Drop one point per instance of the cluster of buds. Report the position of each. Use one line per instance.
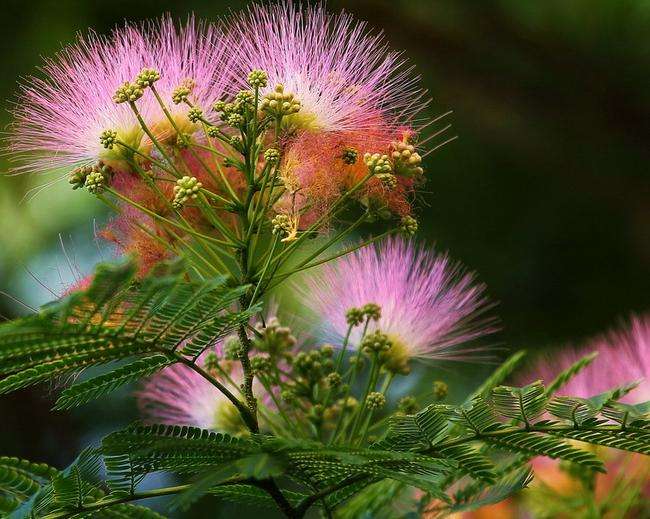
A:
(128, 92)
(260, 365)
(195, 114)
(274, 339)
(211, 362)
(108, 138)
(377, 163)
(350, 156)
(186, 188)
(258, 79)
(94, 178)
(285, 226)
(376, 342)
(408, 405)
(375, 400)
(355, 316)
(230, 113)
(407, 161)
(147, 77)
(313, 366)
(408, 226)
(232, 348)
(440, 390)
(280, 103)
(182, 92)
(272, 155)
(381, 166)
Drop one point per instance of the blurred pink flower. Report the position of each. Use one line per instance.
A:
(623, 357)
(179, 395)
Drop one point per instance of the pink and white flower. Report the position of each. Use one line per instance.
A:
(345, 77)
(60, 116)
(429, 305)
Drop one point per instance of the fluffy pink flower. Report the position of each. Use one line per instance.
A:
(179, 396)
(345, 77)
(428, 304)
(623, 357)
(60, 117)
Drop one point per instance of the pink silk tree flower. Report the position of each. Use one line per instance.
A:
(623, 357)
(61, 116)
(429, 305)
(179, 395)
(344, 76)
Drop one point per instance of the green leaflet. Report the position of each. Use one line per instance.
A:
(505, 487)
(83, 392)
(156, 322)
(520, 403)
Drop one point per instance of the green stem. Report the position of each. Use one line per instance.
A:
(266, 266)
(370, 386)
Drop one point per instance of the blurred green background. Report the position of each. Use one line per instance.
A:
(545, 194)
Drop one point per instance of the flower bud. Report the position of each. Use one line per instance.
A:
(272, 155)
(108, 138)
(147, 77)
(127, 92)
(195, 114)
(186, 188)
(408, 226)
(375, 400)
(258, 79)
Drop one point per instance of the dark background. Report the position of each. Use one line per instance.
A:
(545, 194)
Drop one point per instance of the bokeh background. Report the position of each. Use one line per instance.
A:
(546, 193)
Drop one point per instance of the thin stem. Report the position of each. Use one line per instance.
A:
(168, 221)
(266, 266)
(245, 413)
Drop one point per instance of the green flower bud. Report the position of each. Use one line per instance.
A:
(333, 380)
(349, 403)
(408, 405)
(354, 316)
(440, 390)
(182, 92)
(350, 156)
(195, 114)
(272, 155)
(288, 395)
(408, 226)
(376, 342)
(260, 365)
(128, 92)
(282, 225)
(95, 182)
(375, 400)
(147, 77)
(235, 119)
(186, 188)
(258, 79)
(244, 98)
(372, 311)
(211, 361)
(213, 131)
(280, 103)
(407, 161)
(77, 177)
(232, 349)
(388, 180)
(219, 106)
(378, 163)
(108, 138)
